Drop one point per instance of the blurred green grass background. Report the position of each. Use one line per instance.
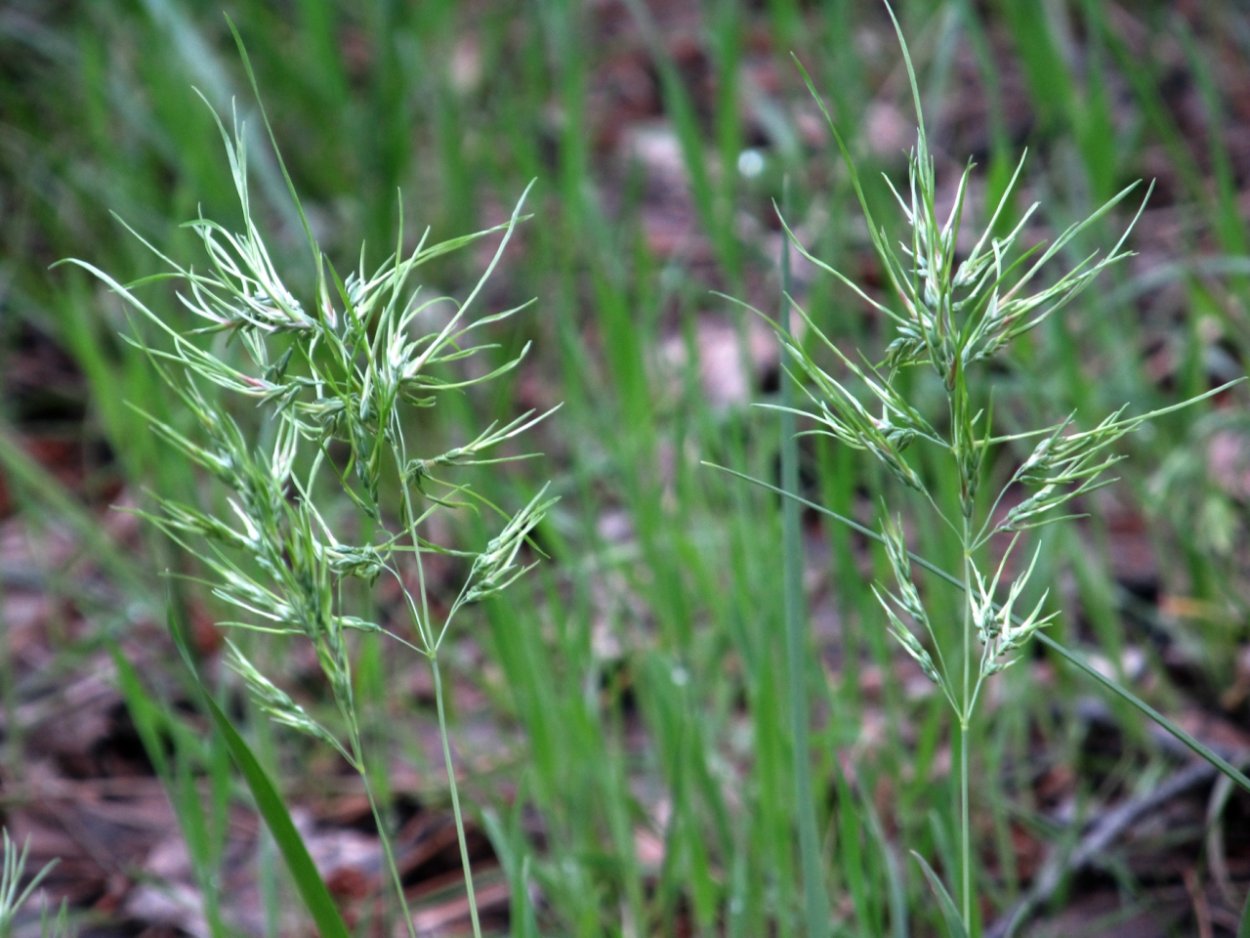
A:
(623, 717)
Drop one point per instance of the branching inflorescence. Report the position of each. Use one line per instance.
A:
(334, 380)
(951, 314)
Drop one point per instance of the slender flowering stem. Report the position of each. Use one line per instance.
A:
(951, 315)
(444, 738)
(334, 371)
(965, 722)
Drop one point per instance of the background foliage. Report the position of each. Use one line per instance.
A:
(621, 720)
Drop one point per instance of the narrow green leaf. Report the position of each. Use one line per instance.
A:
(797, 652)
(955, 926)
(308, 882)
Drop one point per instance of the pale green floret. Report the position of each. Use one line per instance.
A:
(277, 702)
(998, 629)
(905, 638)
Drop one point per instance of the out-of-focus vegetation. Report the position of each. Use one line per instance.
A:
(621, 720)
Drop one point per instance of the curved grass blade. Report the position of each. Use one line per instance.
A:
(308, 882)
(954, 924)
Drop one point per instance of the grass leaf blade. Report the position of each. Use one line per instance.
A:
(954, 923)
(308, 881)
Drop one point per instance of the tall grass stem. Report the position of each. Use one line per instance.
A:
(815, 898)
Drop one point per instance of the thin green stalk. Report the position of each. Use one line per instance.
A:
(965, 821)
(431, 643)
(455, 795)
(379, 820)
(965, 720)
(815, 900)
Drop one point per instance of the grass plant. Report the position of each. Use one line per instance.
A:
(955, 308)
(335, 377)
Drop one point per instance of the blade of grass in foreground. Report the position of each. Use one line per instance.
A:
(1192, 743)
(950, 914)
(815, 901)
(308, 882)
